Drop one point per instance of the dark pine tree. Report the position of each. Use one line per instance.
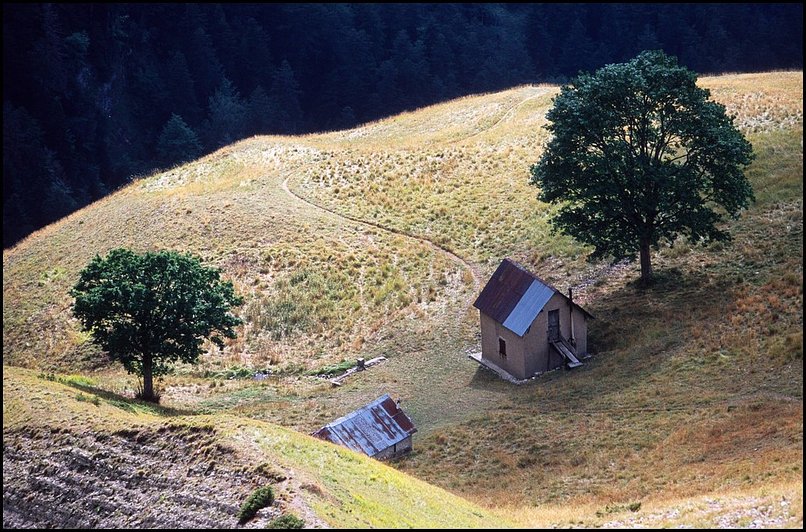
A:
(177, 142)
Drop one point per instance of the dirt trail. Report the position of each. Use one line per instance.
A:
(541, 92)
(472, 268)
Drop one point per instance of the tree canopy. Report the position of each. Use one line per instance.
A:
(151, 310)
(640, 155)
(177, 142)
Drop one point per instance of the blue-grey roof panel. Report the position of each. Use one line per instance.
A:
(528, 307)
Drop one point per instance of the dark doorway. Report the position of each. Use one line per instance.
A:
(554, 325)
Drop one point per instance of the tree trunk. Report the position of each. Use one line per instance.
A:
(646, 262)
(148, 379)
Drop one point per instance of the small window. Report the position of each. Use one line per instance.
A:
(502, 347)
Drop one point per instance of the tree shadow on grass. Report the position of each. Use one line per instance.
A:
(133, 406)
(641, 323)
(648, 318)
(637, 328)
(673, 301)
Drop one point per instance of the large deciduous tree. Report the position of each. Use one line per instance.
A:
(148, 311)
(640, 155)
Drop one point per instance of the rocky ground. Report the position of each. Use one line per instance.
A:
(722, 512)
(148, 478)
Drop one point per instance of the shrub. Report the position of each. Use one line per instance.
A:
(260, 498)
(329, 371)
(287, 521)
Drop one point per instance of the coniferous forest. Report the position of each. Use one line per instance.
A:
(97, 94)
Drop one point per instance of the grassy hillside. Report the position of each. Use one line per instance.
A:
(181, 462)
(374, 242)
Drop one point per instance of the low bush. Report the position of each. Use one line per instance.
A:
(260, 498)
(287, 521)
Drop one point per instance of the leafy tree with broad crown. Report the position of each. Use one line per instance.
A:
(640, 155)
(148, 311)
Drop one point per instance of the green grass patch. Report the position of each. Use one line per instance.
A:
(258, 499)
(334, 369)
(233, 372)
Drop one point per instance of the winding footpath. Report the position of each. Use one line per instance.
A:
(472, 268)
(511, 112)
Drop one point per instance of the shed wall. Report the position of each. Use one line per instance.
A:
(515, 361)
(538, 346)
(393, 451)
(531, 353)
(580, 332)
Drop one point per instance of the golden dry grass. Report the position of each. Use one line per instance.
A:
(774, 506)
(697, 383)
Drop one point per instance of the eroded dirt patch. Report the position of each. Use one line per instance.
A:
(170, 477)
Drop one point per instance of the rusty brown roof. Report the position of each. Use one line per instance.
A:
(370, 429)
(504, 290)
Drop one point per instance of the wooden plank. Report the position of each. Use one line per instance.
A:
(565, 352)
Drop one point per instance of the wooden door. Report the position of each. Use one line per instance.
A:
(554, 325)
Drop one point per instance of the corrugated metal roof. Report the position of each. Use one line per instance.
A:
(528, 307)
(370, 429)
(503, 291)
(514, 297)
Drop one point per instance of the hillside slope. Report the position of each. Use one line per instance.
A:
(74, 456)
(374, 241)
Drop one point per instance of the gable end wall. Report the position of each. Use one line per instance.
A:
(531, 354)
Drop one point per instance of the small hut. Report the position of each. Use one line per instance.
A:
(380, 430)
(528, 326)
